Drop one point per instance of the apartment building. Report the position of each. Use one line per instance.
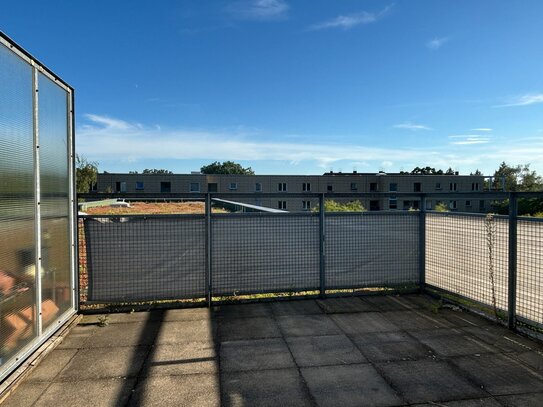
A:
(329, 182)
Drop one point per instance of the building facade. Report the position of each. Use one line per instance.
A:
(326, 183)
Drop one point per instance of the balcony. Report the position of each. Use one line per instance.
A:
(385, 308)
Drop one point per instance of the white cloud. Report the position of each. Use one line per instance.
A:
(110, 141)
(485, 129)
(436, 43)
(259, 9)
(349, 21)
(524, 100)
(411, 126)
(469, 139)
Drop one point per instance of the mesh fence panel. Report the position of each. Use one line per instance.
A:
(529, 270)
(142, 259)
(256, 253)
(372, 250)
(464, 254)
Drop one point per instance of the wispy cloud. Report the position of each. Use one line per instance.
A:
(349, 21)
(524, 100)
(484, 129)
(111, 141)
(437, 43)
(258, 9)
(411, 126)
(469, 139)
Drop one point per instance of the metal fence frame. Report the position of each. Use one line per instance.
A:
(512, 218)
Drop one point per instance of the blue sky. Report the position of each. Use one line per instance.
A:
(296, 87)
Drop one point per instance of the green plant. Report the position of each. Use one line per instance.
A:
(441, 207)
(332, 206)
(103, 320)
(490, 230)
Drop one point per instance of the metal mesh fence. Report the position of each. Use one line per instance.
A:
(264, 253)
(468, 255)
(145, 258)
(530, 270)
(372, 249)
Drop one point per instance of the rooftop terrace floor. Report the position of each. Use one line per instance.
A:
(370, 351)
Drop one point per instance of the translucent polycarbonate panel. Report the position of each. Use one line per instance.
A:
(17, 213)
(55, 196)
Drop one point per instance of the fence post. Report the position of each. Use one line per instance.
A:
(208, 279)
(422, 243)
(512, 249)
(322, 259)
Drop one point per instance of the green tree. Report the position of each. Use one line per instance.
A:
(426, 171)
(227, 167)
(333, 206)
(155, 171)
(86, 173)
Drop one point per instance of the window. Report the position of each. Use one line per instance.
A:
(475, 186)
(194, 187)
(452, 186)
(306, 205)
(406, 205)
(166, 187)
(429, 205)
(330, 188)
(306, 187)
(452, 205)
(482, 205)
(392, 187)
(233, 186)
(139, 186)
(417, 187)
(416, 204)
(120, 186)
(212, 187)
(282, 204)
(374, 205)
(393, 203)
(373, 186)
(438, 186)
(258, 187)
(354, 186)
(282, 187)
(468, 203)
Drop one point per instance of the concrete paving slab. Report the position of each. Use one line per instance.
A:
(420, 301)
(51, 366)
(464, 318)
(248, 328)
(380, 337)
(416, 320)
(96, 393)
(499, 374)
(387, 302)
(187, 314)
(481, 402)
(243, 310)
(300, 307)
(364, 323)
(502, 338)
(107, 362)
(186, 331)
(186, 390)
(258, 354)
(129, 334)
(307, 325)
(393, 351)
(181, 358)
(352, 385)
(324, 350)
(422, 381)
(533, 359)
(435, 333)
(522, 400)
(119, 317)
(26, 394)
(458, 345)
(77, 337)
(265, 388)
(345, 305)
